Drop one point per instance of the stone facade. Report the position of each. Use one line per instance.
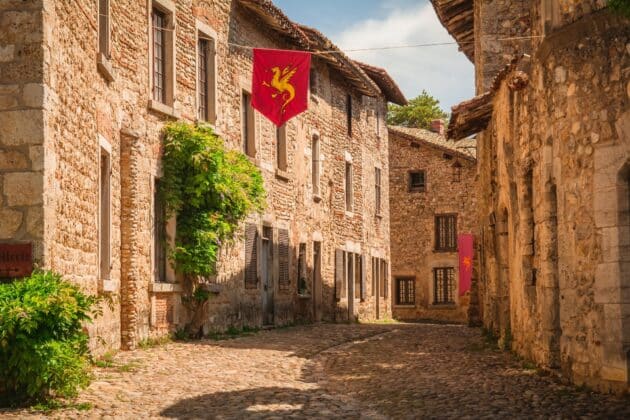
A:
(553, 192)
(449, 176)
(66, 107)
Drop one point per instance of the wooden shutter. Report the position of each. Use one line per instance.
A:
(363, 279)
(284, 282)
(385, 279)
(251, 256)
(339, 273)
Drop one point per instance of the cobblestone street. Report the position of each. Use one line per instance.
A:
(370, 371)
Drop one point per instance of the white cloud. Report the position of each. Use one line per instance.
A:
(442, 71)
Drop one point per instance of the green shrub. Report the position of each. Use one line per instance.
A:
(43, 348)
(620, 6)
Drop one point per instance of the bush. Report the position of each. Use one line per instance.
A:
(43, 348)
(620, 6)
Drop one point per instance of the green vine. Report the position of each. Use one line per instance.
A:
(620, 6)
(211, 190)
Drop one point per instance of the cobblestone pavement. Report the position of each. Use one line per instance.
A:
(349, 371)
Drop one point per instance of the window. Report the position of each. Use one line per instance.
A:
(378, 122)
(379, 277)
(405, 291)
(302, 274)
(105, 215)
(251, 256)
(417, 181)
(284, 281)
(206, 81)
(377, 191)
(159, 55)
(159, 235)
(349, 192)
(349, 114)
(103, 27)
(457, 172)
(281, 148)
(443, 285)
(315, 153)
(384, 277)
(247, 121)
(340, 274)
(446, 232)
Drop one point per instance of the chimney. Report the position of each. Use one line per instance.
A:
(437, 126)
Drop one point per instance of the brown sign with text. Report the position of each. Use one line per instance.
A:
(16, 260)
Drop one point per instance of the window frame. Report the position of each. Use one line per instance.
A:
(456, 172)
(248, 125)
(167, 9)
(104, 25)
(410, 186)
(348, 186)
(449, 287)
(410, 295)
(446, 247)
(209, 36)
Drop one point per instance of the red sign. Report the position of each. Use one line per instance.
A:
(16, 260)
(280, 83)
(465, 247)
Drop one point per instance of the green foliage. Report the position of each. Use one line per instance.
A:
(43, 348)
(211, 189)
(418, 113)
(620, 6)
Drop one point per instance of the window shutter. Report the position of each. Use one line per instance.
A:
(363, 279)
(284, 283)
(385, 278)
(251, 257)
(339, 273)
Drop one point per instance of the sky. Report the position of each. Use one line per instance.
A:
(442, 71)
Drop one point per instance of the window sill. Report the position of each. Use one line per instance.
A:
(446, 306)
(282, 175)
(163, 109)
(157, 287)
(104, 66)
(317, 198)
(109, 286)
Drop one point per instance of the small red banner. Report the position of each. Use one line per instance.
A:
(16, 260)
(280, 83)
(466, 253)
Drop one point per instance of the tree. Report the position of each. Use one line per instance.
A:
(418, 113)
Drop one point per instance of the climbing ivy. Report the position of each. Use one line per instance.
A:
(620, 6)
(211, 190)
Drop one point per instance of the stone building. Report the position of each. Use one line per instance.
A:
(85, 89)
(432, 200)
(553, 117)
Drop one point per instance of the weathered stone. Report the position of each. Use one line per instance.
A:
(33, 95)
(12, 160)
(36, 154)
(21, 127)
(23, 188)
(10, 222)
(35, 221)
(6, 53)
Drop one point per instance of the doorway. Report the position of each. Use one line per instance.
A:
(267, 276)
(317, 281)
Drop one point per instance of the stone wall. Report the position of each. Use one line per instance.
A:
(413, 219)
(93, 104)
(22, 123)
(553, 204)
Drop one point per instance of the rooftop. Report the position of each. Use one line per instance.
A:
(458, 17)
(466, 148)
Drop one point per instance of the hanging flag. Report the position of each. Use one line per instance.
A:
(280, 83)
(465, 247)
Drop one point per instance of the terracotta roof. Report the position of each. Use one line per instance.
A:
(385, 82)
(312, 40)
(466, 148)
(458, 17)
(472, 116)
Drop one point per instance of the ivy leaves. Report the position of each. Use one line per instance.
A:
(210, 189)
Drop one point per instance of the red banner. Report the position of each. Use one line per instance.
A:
(466, 253)
(280, 83)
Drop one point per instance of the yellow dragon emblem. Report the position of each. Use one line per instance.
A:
(281, 83)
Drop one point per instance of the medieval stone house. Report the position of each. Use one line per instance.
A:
(85, 89)
(553, 116)
(432, 200)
